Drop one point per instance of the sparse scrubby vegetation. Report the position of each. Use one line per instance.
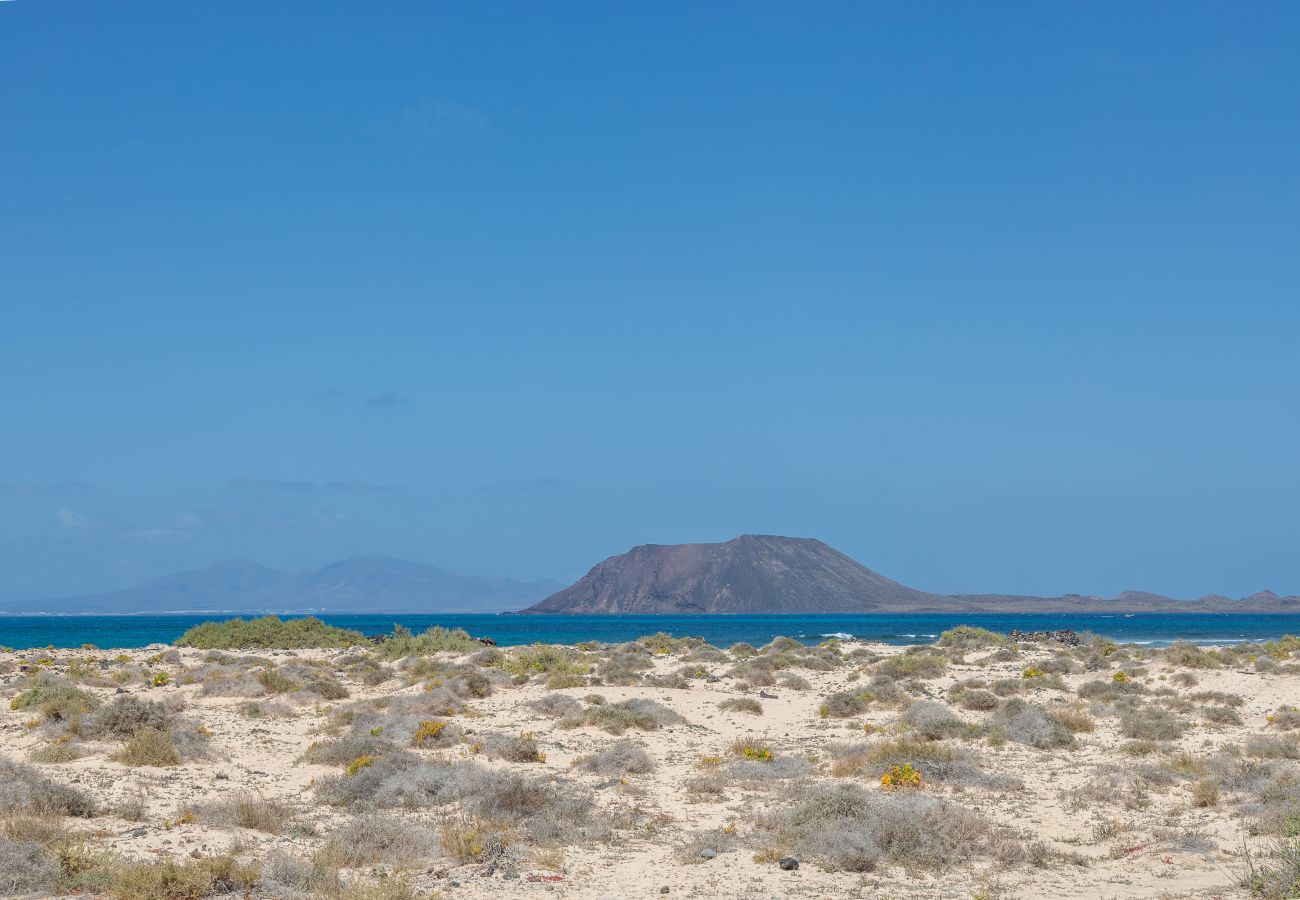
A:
(268, 632)
(845, 828)
(403, 643)
(621, 758)
(616, 718)
(427, 753)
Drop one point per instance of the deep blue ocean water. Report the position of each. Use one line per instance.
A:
(137, 631)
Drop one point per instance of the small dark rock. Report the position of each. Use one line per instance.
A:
(664, 889)
(788, 863)
(766, 696)
(120, 691)
(487, 641)
(708, 853)
(712, 679)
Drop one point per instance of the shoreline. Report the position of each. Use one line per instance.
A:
(1208, 629)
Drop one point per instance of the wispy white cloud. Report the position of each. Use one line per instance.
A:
(69, 519)
(433, 116)
(386, 400)
(66, 486)
(288, 486)
(525, 486)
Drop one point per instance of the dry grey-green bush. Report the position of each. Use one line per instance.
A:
(1221, 715)
(794, 683)
(620, 758)
(1273, 874)
(404, 729)
(1030, 724)
(1284, 718)
(268, 709)
(288, 877)
(23, 789)
(710, 785)
(639, 713)
(246, 809)
(624, 667)
(1112, 691)
(782, 768)
(520, 748)
(342, 751)
(55, 752)
(1060, 664)
(935, 760)
(742, 704)
(917, 662)
(1154, 723)
(844, 704)
(1273, 746)
(1188, 655)
(978, 699)
(707, 654)
(54, 697)
(843, 827)
(546, 810)
(556, 705)
(969, 637)
(1218, 698)
(702, 846)
(26, 867)
(121, 718)
(385, 840)
(932, 720)
(1275, 809)
(1183, 840)
(233, 684)
(1007, 687)
(1112, 788)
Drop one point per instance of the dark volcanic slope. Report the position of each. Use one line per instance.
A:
(766, 574)
(751, 574)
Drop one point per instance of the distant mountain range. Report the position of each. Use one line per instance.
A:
(362, 584)
(768, 574)
(749, 574)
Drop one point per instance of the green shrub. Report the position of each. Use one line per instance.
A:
(646, 715)
(276, 682)
(969, 637)
(547, 659)
(125, 715)
(621, 758)
(1153, 723)
(268, 632)
(149, 747)
(433, 640)
(1188, 655)
(188, 880)
(913, 665)
(23, 789)
(54, 698)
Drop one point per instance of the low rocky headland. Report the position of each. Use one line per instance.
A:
(263, 760)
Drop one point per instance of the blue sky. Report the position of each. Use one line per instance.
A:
(992, 298)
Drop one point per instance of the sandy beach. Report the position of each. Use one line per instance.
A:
(661, 767)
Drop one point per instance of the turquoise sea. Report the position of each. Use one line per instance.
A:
(138, 631)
